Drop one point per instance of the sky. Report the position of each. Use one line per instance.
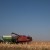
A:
(26, 17)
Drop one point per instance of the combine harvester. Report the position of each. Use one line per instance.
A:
(15, 38)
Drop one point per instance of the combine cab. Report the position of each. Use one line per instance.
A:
(15, 38)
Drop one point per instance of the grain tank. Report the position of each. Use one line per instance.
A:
(7, 38)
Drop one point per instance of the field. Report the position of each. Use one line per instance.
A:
(30, 46)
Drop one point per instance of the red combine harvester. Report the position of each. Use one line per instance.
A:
(21, 38)
(15, 38)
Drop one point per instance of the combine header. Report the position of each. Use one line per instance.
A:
(15, 38)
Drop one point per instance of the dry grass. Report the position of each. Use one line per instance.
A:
(31, 46)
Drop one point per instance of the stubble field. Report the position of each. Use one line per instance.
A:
(30, 46)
